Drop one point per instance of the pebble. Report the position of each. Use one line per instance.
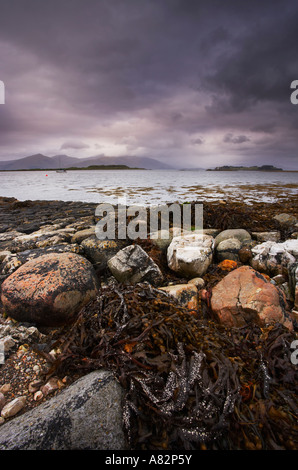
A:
(5, 388)
(13, 407)
(38, 396)
(50, 386)
(34, 386)
(2, 400)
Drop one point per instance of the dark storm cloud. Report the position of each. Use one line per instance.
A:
(149, 76)
(239, 139)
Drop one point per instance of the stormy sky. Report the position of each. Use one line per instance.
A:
(191, 83)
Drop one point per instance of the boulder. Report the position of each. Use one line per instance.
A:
(87, 415)
(190, 255)
(14, 260)
(245, 296)
(185, 294)
(100, 251)
(271, 257)
(132, 265)
(49, 290)
(240, 234)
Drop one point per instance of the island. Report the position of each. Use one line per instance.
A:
(245, 168)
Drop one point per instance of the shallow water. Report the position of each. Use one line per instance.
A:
(148, 186)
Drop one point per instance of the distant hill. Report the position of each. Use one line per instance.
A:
(40, 161)
(245, 168)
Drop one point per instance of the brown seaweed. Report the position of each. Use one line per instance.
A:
(189, 382)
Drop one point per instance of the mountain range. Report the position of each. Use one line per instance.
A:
(40, 161)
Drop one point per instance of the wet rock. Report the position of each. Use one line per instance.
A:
(186, 295)
(245, 254)
(2, 400)
(81, 235)
(3, 255)
(270, 257)
(49, 290)
(190, 255)
(87, 415)
(244, 296)
(132, 265)
(100, 251)
(14, 260)
(50, 386)
(228, 249)
(198, 282)
(7, 238)
(39, 239)
(285, 219)
(13, 407)
(266, 236)
(240, 234)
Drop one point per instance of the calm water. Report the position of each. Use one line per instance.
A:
(147, 187)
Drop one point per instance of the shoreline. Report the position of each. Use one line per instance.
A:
(145, 343)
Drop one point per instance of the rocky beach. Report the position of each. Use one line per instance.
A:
(186, 342)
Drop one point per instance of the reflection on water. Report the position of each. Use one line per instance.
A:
(148, 186)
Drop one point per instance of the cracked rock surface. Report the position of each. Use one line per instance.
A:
(245, 296)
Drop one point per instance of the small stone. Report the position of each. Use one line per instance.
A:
(2, 401)
(38, 396)
(198, 282)
(266, 236)
(8, 343)
(13, 407)
(49, 387)
(239, 234)
(5, 388)
(186, 294)
(34, 386)
(228, 249)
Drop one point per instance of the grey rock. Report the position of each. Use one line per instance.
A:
(228, 249)
(81, 235)
(266, 236)
(100, 251)
(132, 265)
(39, 239)
(240, 234)
(285, 219)
(85, 416)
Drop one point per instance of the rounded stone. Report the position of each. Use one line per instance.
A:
(49, 290)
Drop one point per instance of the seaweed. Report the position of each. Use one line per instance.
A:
(189, 382)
